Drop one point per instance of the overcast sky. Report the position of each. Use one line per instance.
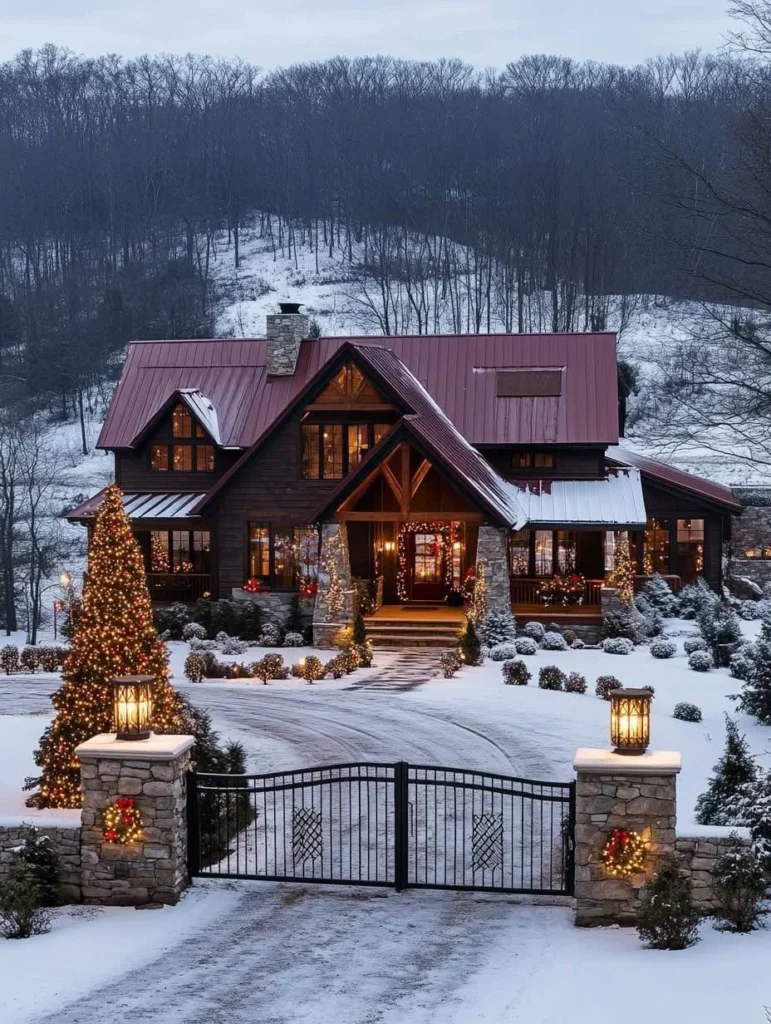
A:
(279, 32)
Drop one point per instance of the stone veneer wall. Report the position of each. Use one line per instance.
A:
(697, 856)
(325, 623)
(67, 843)
(154, 870)
(492, 548)
(751, 529)
(275, 606)
(285, 331)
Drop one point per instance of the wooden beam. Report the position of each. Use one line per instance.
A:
(420, 476)
(359, 491)
(405, 479)
(410, 517)
(392, 482)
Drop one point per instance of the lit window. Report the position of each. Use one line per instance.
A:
(181, 556)
(259, 551)
(381, 429)
(533, 460)
(183, 458)
(306, 545)
(283, 559)
(566, 551)
(656, 557)
(332, 451)
(181, 422)
(544, 553)
(204, 458)
(159, 458)
(519, 553)
(159, 551)
(689, 556)
(200, 550)
(358, 443)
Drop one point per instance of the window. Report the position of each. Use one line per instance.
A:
(428, 558)
(204, 458)
(180, 551)
(159, 551)
(566, 551)
(181, 422)
(159, 458)
(544, 553)
(609, 548)
(332, 450)
(689, 556)
(259, 552)
(656, 557)
(519, 553)
(306, 543)
(283, 559)
(183, 458)
(533, 460)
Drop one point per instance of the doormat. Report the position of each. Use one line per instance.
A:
(421, 608)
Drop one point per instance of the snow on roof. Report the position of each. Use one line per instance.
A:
(143, 506)
(616, 500)
(660, 472)
(203, 410)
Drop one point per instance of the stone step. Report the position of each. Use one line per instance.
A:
(409, 639)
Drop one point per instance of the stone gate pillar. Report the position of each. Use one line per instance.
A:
(335, 604)
(635, 793)
(493, 560)
(153, 772)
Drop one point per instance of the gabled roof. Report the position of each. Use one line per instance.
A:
(458, 371)
(667, 476)
(616, 500)
(142, 506)
(203, 410)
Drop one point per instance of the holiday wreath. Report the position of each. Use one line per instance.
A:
(123, 822)
(624, 853)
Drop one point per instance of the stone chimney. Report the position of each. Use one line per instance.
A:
(285, 331)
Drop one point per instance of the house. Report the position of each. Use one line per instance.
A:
(386, 473)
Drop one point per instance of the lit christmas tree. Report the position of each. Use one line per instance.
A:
(622, 574)
(115, 637)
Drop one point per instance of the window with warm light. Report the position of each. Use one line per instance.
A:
(159, 458)
(192, 457)
(656, 555)
(283, 556)
(533, 460)
(180, 551)
(331, 450)
(519, 553)
(259, 552)
(689, 552)
(544, 553)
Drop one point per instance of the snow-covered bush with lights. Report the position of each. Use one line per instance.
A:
(497, 628)
(194, 668)
(662, 648)
(231, 644)
(686, 712)
(515, 673)
(525, 645)
(293, 640)
(695, 643)
(658, 594)
(535, 630)
(193, 631)
(502, 652)
(9, 659)
(551, 678)
(617, 645)
(270, 636)
(605, 684)
(450, 663)
(700, 661)
(575, 683)
(554, 642)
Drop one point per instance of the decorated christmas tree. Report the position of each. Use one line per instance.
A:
(115, 637)
(621, 575)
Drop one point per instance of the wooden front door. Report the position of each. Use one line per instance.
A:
(426, 567)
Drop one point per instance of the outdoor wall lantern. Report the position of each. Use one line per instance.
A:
(630, 721)
(132, 707)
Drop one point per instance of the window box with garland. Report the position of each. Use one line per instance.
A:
(195, 455)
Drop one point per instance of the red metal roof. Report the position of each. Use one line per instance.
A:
(668, 476)
(456, 370)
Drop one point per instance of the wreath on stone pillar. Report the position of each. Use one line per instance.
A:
(624, 853)
(122, 822)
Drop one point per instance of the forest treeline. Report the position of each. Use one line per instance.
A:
(570, 181)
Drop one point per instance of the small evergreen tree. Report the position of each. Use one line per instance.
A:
(621, 575)
(470, 647)
(295, 622)
(21, 910)
(668, 917)
(359, 629)
(497, 628)
(657, 593)
(739, 884)
(751, 807)
(40, 855)
(755, 698)
(734, 770)
(719, 626)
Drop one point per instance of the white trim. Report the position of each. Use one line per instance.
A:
(106, 746)
(590, 761)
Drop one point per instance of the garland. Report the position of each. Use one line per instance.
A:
(624, 853)
(448, 532)
(563, 589)
(123, 822)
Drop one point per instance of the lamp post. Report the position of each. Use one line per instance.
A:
(630, 721)
(132, 707)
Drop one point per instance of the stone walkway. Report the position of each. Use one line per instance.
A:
(407, 671)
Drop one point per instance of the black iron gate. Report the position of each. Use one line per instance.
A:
(397, 824)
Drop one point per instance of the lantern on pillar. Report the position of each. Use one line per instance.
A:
(630, 720)
(132, 707)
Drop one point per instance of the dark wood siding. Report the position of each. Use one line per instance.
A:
(665, 504)
(569, 463)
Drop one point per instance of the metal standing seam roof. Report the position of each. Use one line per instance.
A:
(144, 506)
(203, 410)
(458, 371)
(616, 500)
(660, 472)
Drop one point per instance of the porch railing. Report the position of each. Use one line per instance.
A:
(182, 586)
(528, 591)
(369, 594)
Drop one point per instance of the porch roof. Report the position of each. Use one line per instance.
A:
(143, 506)
(615, 501)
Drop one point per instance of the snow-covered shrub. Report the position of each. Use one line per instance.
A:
(553, 642)
(721, 628)
(739, 885)
(695, 597)
(741, 662)
(570, 637)
(312, 668)
(193, 631)
(605, 684)
(668, 917)
(651, 690)
(48, 659)
(662, 648)
(732, 775)
(756, 693)
(658, 594)
(194, 668)
(764, 608)
(21, 911)
(40, 854)
(748, 610)
(551, 678)
(515, 673)
(270, 666)
(232, 645)
(336, 668)
(497, 628)
(9, 659)
(696, 643)
(535, 630)
(485, 652)
(628, 625)
(700, 661)
(450, 663)
(687, 712)
(525, 645)
(270, 636)
(174, 619)
(617, 645)
(575, 683)
(502, 652)
(651, 620)
(578, 644)
(28, 659)
(197, 645)
(293, 640)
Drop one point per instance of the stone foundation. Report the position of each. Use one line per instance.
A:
(616, 791)
(67, 843)
(751, 531)
(154, 773)
(275, 606)
(492, 550)
(697, 856)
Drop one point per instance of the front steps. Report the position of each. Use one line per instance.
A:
(402, 632)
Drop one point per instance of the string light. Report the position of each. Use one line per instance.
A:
(622, 574)
(446, 535)
(122, 822)
(624, 853)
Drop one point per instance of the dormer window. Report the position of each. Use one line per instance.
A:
(533, 460)
(183, 424)
(193, 457)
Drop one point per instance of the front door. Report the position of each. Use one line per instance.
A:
(427, 567)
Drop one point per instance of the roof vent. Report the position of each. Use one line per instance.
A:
(528, 383)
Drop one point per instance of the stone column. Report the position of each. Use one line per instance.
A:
(620, 791)
(154, 772)
(492, 550)
(328, 618)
